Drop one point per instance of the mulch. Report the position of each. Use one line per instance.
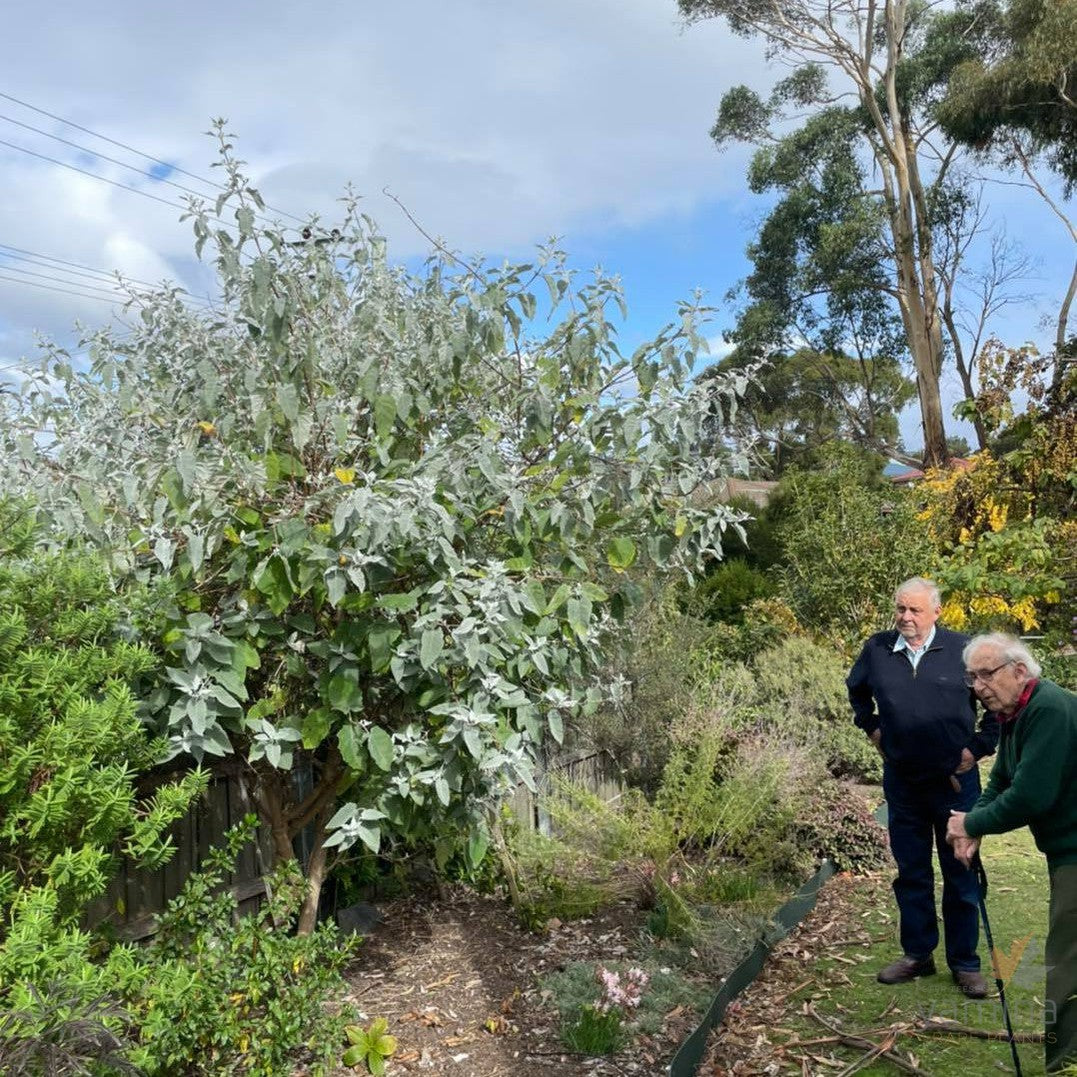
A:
(460, 984)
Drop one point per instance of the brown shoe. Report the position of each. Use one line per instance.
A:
(971, 983)
(906, 969)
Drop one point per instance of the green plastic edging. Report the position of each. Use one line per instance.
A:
(688, 1055)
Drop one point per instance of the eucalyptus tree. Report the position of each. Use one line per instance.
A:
(882, 57)
(1015, 100)
(818, 302)
(397, 524)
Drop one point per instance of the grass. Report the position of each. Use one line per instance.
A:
(847, 989)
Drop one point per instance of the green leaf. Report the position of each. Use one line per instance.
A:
(557, 727)
(354, 1056)
(620, 553)
(380, 746)
(343, 693)
(380, 642)
(403, 602)
(535, 597)
(430, 647)
(370, 836)
(384, 415)
(348, 741)
(477, 845)
(559, 598)
(316, 726)
(273, 581)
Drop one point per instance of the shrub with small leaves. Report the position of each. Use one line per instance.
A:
(837, 824)
(232, 994)
(72, 750)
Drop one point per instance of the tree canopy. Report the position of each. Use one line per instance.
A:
(394, 526)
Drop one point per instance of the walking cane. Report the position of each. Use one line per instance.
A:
(981, 877)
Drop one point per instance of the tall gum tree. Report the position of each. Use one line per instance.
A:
(1015, 101)
(866, 44)
(395, 525)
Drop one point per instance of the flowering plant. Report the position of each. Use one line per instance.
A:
(598, 1028)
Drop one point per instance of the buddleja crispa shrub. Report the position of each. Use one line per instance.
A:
(400, 512)
(71, 751)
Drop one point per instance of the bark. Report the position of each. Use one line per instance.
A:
(1062, 336)
(285, 820)
(965, 374)
(317, 869)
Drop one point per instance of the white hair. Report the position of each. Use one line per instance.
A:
(918, 583)
(1010, 647)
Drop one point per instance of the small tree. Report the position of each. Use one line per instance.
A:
(397, 525)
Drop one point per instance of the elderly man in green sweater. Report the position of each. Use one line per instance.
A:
(1033, 783)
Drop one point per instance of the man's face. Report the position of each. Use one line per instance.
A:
(998, 683)
(914, 614)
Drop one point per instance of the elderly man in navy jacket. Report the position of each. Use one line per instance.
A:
(909, 696)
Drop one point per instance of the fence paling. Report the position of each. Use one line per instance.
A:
(136, 895)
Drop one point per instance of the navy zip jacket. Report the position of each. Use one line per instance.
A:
(927, 715)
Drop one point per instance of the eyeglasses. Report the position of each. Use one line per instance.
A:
(985, 675)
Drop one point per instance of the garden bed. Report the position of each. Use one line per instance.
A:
(462, 986)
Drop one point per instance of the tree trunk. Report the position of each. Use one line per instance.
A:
(1062, 359)
(917, 288)
(317, 869)
(965, 374)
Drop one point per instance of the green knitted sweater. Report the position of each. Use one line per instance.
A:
(1033, 782)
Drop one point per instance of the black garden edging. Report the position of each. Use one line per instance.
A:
(787, 917)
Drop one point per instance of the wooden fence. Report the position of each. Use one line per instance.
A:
(137, 895)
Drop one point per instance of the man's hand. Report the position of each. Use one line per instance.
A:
(955, 828)
(876, 739)
(965, 850)
(968, 761)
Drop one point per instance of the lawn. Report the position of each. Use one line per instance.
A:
(825, 973)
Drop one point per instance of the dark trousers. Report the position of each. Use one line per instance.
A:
(917, 813)
(1060, 957)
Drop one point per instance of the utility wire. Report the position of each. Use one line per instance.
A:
(66, 291)
(104, 157)
(133, 294)
(20, 254)
(131, 149)
(92, 175)
(105, 179)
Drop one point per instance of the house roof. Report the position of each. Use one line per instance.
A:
(915, 474)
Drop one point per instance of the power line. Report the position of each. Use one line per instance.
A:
(20, 254)
(134, 294)
(66, 291)
(78, 269)
(132, 149)
(92, 175)
(104, 157)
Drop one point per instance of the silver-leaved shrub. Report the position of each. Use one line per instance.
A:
(399, 514)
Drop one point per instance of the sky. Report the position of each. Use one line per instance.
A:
(497, 124)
